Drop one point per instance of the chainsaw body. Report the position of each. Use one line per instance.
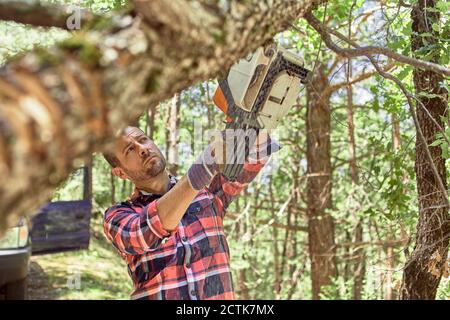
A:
(256, 94)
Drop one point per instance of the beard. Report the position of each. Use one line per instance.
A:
(155, 166)
(150, 169)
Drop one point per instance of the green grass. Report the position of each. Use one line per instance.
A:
(99, 272)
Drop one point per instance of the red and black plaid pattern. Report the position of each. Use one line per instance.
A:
(191, 262)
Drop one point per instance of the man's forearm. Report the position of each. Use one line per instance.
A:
(172, 205)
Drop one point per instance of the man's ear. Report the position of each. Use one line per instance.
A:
(118, 172)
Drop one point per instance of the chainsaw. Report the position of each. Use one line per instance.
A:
(256, 94)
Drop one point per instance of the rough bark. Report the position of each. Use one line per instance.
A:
(40, 15)
(57, 106)
(424, 268)
(320, 223)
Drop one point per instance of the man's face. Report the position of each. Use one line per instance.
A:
(139, 157)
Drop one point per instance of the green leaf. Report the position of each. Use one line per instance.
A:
(435, 26)
(428, 95)
(429, 9)
(445, 151)
(374, 89)
(376, 104)
(443, 5)
(402, 74)
(436, 143)
(444, 60)
(397, 44)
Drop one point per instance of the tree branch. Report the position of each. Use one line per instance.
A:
(409, 97)
(326, 32)
(385, 243)
(336, 61)
(361, 77)
(39, 15)
(234, 216)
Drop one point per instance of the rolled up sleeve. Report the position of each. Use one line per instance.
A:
(132, 231)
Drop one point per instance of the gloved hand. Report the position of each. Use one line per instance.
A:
(207, 165)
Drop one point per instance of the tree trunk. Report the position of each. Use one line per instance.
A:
(124, 189)
(113, 188)
(320, 223)
(389, 293)
(79, 93)
(358, 256)
(423, 270)
(276, 251)
(293, 218)
(87, 180)
(242, 278)
(150, 125)
(173, 124)
(359, 269)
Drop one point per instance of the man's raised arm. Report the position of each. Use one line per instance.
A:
(137, 232)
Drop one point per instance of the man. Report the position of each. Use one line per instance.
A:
(170, 232)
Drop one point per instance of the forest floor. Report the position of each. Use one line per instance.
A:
(96, 273)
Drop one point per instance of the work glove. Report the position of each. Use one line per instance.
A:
(207, 165)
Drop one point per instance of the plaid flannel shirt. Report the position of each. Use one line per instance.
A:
(193, 261)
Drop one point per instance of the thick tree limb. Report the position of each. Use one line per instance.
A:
(39, 15)
(69, 100)
(367, 51)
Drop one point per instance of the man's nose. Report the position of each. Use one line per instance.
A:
(143, 151)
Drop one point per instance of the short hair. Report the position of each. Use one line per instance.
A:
(111, 159)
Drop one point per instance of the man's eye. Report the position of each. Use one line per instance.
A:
(129, 149)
